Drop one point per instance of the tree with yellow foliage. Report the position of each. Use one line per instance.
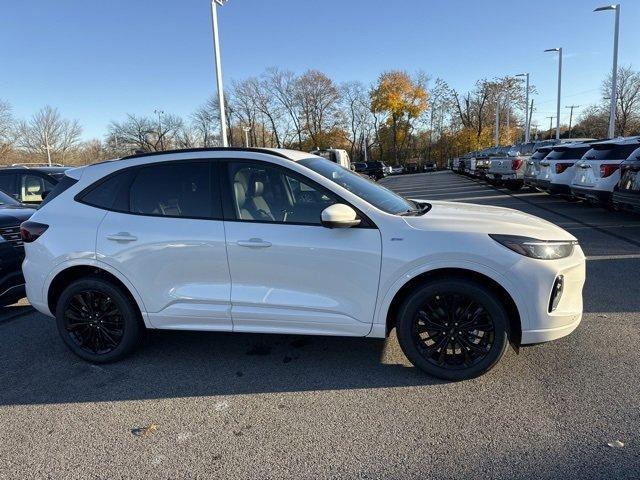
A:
(402, 99)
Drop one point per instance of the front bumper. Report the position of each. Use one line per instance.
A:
(536, 278)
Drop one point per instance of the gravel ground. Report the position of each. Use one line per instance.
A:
(275, 406)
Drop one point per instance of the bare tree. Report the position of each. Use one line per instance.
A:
(146, 133)
(7, 129)
(47, 128)
(283, 86)
(317, 97)
(628, 100)
(359, 118)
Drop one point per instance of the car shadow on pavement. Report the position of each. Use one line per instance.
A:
(38, 368)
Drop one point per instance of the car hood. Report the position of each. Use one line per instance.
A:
(473, 218)
(11, 216)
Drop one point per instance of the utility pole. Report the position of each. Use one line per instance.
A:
(528, 135)
(571, 116)
(216, 50)
(551, 123)
(506, 106)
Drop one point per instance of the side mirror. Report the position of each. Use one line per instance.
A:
(339, 215)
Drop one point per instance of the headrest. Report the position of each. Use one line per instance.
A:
(240, 193)
(258, 188)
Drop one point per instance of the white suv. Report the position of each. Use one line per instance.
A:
(598, 172)
(278, 241)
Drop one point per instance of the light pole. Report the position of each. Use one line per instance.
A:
(159, 113)
(526, 110)
(551, 122)
(246, 136)
(559, 50)
(614, 73)
(498, 121)
(571, 116)
(216, 51)
(46, 145)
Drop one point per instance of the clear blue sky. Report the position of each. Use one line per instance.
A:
(98, 60)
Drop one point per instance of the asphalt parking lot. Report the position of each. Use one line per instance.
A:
(248, 406)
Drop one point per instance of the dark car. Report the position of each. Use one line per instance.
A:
(374, 170)
(627, 194)
(12, 214)
(29, 184)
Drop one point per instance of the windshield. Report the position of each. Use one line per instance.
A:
(369, 191)
(7, 200)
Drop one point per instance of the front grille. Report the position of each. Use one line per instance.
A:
(12, 235)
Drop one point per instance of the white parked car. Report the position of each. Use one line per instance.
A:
(558, 168)
(278, 241)
(598, 172)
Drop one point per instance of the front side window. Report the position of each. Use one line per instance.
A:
(373, 193)
(173, 190)
(264, 193)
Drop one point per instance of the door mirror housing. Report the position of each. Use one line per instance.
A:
(339, 215)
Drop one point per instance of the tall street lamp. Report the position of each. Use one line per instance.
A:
(159, 113)
(498, 121)
(559, 50)
(614, 73)
(246, 135)
(526, 110)
(216, 51)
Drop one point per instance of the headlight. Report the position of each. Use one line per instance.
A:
(534, 248)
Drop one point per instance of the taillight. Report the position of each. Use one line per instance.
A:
(606, 170)
(31, 231)
(561, 167)
(516, 163)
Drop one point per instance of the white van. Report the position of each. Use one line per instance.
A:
(336, 155)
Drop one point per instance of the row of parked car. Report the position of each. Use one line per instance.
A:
(603, 172)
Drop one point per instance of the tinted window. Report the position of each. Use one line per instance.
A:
(64, 183)
(8, 183)
(369, 191)
(540, 154)
(110, 193)
(609, 151)
(173, 190)
(565, 153)
(268, 194)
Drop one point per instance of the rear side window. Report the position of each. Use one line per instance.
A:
(174, 190)
(110, 193)
(610, 152)
(64, 183)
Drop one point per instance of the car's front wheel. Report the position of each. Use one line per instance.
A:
(452, 329)
(97, 320)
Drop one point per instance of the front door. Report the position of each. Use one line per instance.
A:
(166, 235)
(289, 273)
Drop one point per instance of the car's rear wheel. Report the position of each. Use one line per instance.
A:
(452, 329)
(97, 320)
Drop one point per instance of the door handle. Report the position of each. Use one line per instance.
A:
(254, 243)
(122, 237)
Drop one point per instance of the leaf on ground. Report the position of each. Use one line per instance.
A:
(143, 431)
(616, 444)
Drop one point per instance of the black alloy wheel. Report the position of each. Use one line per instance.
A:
(453, 329)
(94, 322)
(98, 320)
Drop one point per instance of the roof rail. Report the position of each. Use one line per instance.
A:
(36, 164)
(208, 149)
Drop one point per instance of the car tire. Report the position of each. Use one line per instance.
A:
(472, 352)
(93, 307)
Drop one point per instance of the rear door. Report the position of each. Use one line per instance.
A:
(164, 232)
(289, 273)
